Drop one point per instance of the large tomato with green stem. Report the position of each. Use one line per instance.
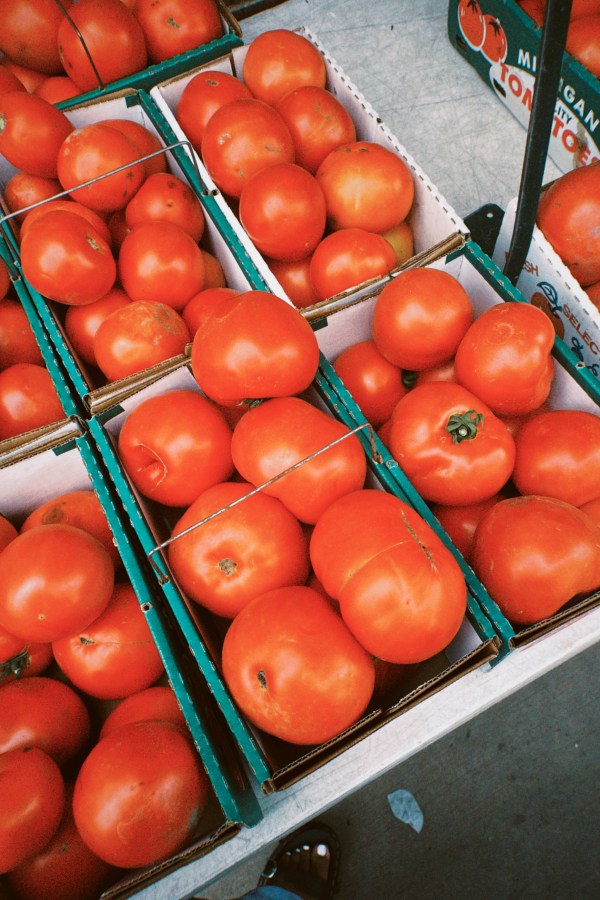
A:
(255, 345)
(286, 431)
(279, 61)
(32, 131)
(294, 668)
(505, 358)
(534, 554)
(254, 546)
(401, 592)
(450, 445)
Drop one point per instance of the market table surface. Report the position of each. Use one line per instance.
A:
(399, 57)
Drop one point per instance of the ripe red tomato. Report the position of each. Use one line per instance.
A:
(140, 794)
(592, 509)
(214, 273)
(443, 372)
(294, 278)
(536, 10)
(57, 88)
(113, 38)
(31, 132)
(402, 240)
(254, 346)
(174, 446)
(82, 322)
(375, 384)
(5, 282)
(471, 23)
(67, 205)
(534, 554)
(279, 61)
(568, 215)
(583, 42)
(401, 592)
(505, 358)
(278, 434)
(166, 198)
(450, 445)
(160, 262)
(145, 141)
(255, 546)
(46, 713)
(65, 259)
(137, 336)
(82, 509)
(558, 455)
(347, 258)
(24, 189)
(365, 186)
(157, 702)
(294, 668)
(282, 208)
(18, 343)
(9, 81)
(23, 660)
(29, 33)
(460, 522)
(495, 44)
(203, 95)
(33, 801)
(54, 579)
(8, 532)
(115, 655)
(118, 228)
(420, 317)
(92, 152)
(318, 123)
(28, 399)
(64, 868)
(240, 139)
(29, 78)
(172, 27)
(202, 305)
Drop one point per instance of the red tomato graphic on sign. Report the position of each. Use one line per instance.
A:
(471, 23)
(495, 44)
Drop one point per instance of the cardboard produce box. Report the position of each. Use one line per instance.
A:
(573, 387)
(431, 218)
(504, 49)
(86, 381)
(275, 763)
(36, 471)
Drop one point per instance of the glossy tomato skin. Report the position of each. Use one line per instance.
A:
(115, 655)
(66, 259)
(138, 335)
(29, 33)
(165, 198)
(145, 141)
(279, 61)
(66, 204)
(460, 522)
(140, 794)
(365, 186)
(558, 455)
(375, 384)
(202, 305)
(31, 659)
(533, 554)
(420, 317)
(282, 209)
(450, 445)
(172, 27)
(255, 345)
(203, 95)
(317, 122)
(82, 322)
(254, 547)
(33, 801)
(28, 399)
(294, 278)
(583, 42)
(158, 702)
(568, 214)
(18, 343)
(24, 189)
(32, 132)
(346, 258)
(54, 580)
(242, 138)
(8, 532)
(294, 668)
(505, 358)
(113, 37)
(46, 713)
(278, 434)
(57, 88)
(160, 262)
(174, 446)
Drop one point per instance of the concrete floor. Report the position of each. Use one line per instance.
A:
(510, 803)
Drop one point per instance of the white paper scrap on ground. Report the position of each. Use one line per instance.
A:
(406, 809)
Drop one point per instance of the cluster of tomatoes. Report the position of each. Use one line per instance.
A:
(98, 772)
(321, 584)
(460, 401)
(57, 50)
(583, 35)
(327, 211)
